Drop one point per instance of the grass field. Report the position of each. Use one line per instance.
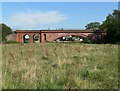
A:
(60, 65)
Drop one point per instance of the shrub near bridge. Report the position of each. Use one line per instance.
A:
(10, 42)
(60, 65)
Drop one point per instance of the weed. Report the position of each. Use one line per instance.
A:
(45, 58)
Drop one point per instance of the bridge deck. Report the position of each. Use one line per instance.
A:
(57, 31)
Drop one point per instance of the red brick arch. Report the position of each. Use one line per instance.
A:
(51, 35)
(67, 35)
(54, 36)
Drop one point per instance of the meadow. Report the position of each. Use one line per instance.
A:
(59, 65)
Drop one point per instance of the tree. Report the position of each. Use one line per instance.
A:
(93, 26)
(112, 25)
(5, 31)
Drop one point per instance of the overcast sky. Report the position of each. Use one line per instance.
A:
(43, 15)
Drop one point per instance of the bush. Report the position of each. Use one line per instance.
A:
(87, 41)
(118, 43)
(6, 30)
(10, 42)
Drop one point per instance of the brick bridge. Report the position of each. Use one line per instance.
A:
(52, 35)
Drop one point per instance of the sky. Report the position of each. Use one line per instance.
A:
(59, 0)
(55, 15)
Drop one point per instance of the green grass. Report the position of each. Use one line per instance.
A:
(60, 65)
(0, 66)
(10, 42)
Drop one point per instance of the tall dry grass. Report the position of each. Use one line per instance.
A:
(0, 66)
(60, 65)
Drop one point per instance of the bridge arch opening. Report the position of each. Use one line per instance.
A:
(35, 38)
(26, 38)
(44, 37)
(73, 38)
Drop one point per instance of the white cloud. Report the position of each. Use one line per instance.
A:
(35, 19)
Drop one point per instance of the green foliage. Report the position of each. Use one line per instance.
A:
(93, 26)
(0, 37)
(87, 40)
(112, 24)
(26, 41)
(5, 31)
(11, 42)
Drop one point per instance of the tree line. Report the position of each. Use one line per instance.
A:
(111, 25)
(4, 31)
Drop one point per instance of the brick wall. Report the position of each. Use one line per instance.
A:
(51, 35)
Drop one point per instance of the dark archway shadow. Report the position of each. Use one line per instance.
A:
(45, 37)
(26, 38)
(36, 38)
(73, 38)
